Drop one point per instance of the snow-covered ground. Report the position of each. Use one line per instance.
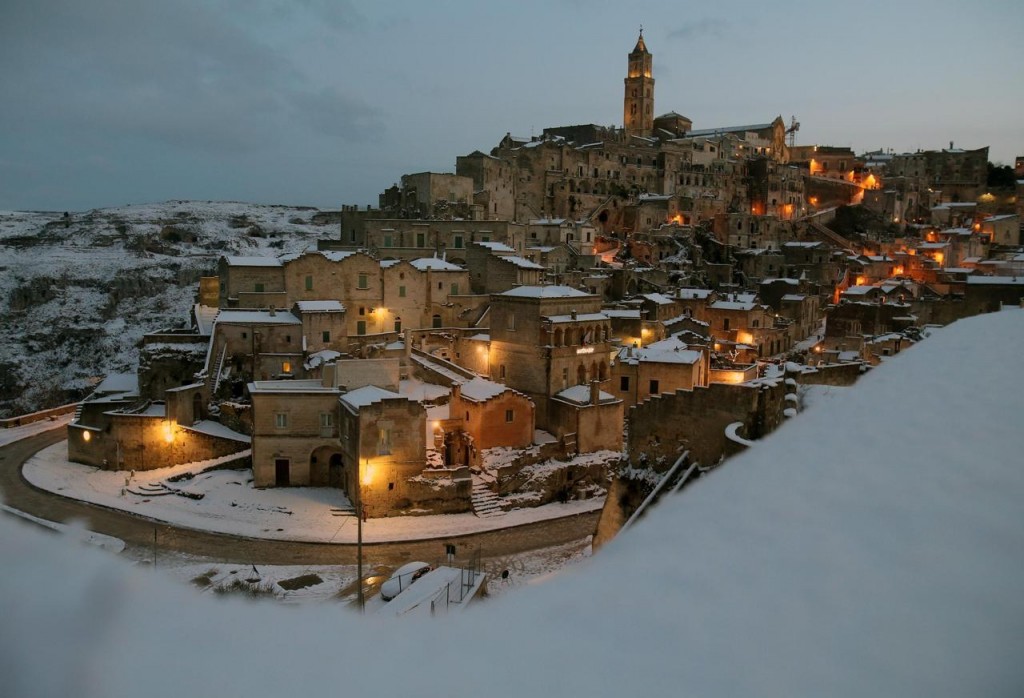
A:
(872, 547)
(230, 504)
(82, 294)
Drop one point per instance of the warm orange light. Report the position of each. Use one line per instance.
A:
(897, 271)
(168, 432)
(939, 257)
(86, 437)
(861, 280)
(744, 338)
(366, 476)
(814, 201)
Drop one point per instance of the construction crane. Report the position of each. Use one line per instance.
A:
(794, 126)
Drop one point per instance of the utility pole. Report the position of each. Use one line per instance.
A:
(359, 537)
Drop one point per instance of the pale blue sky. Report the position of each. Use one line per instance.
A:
(324, 102)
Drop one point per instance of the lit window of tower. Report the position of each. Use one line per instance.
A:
(638, 105)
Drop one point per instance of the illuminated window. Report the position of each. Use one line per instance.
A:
(286, 367)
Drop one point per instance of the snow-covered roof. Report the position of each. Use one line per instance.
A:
(732, 305)
(367, 395)
(802, 244)
(665, 351)
(580, 317)
(544, 292)
(435, 264)
(995, 280)
(794, 297)
(658, 298)
(326, 306)
(521, 262)
(580, 395)
(255, 317)
(622, 314)
(119, 383)
(728, 129)
(481, 389)
(859, 290)
(332, 255)
(306, 385)
(495, 246)
(694, 293)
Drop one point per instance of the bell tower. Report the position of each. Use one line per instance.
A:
(638, 105)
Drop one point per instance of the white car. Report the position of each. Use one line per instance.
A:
(402, 578)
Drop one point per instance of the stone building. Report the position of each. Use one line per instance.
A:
(546, 339)
(638, 102)
(960, 175)
(661, 367)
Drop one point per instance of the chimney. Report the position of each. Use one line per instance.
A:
(572, 314)
(456, 392)
(273, 311)
(595, 392)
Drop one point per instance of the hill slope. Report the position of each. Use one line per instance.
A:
(78, 293)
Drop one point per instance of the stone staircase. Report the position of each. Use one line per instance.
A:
(486, 503)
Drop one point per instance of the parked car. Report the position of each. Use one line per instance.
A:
(402, 578)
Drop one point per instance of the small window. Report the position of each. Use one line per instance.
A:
(391, 486)
(421, 240)
(245, 335)
(654, 388)
(364, 281)
(326, 420)
(387, 241)
(624, 383)
(455, 290)
(259, 288)
(510, 415)
(725, 323)
(361, 327)
(440, 285)
(383, 442)
(401, 291)
(288, 339)
(281, 420)
(326, 335)
(510, 321)
(458, 242)
(362, 310)
(309, 282)
(501, 371)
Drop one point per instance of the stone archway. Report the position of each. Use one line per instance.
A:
(320, 465)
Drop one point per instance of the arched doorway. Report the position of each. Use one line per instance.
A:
(320, 461)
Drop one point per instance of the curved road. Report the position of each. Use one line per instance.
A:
(138, 532)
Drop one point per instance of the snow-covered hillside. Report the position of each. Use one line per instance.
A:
(78, 293)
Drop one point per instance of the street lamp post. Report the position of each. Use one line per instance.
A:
(359, 536)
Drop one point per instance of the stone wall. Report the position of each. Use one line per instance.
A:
(664, 426)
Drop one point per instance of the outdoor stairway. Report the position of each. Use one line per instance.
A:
(485, 501)
(78, 411)
(215, 376)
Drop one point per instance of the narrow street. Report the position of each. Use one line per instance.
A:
(143, 536)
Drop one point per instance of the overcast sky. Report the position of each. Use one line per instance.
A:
(324, 102)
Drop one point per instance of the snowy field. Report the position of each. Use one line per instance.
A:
(231, 505)
(872, 547)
